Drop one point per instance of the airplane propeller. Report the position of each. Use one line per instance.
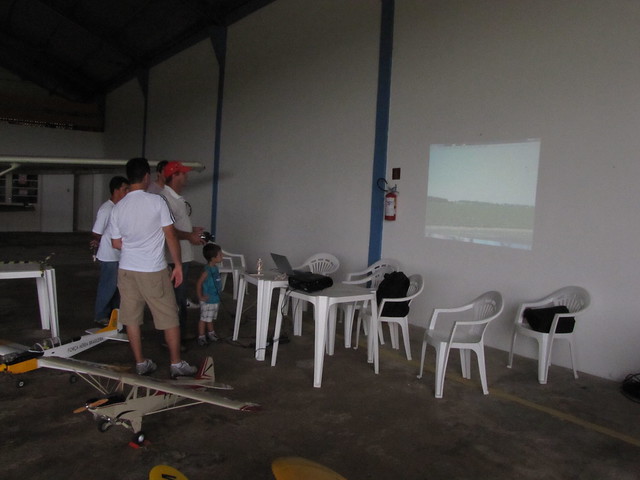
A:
(97, 403)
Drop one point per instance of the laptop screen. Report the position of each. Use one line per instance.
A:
(282, 263)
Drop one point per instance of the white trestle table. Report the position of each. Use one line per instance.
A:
(46, 282)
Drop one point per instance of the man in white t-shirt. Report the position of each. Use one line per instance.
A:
(176, 176)
(141, 224)
(107, 297)
(158, 184)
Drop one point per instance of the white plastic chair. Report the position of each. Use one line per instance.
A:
(234, 264)
(416, 285)
(323, 263)
(368, 278)
(577, 300)
(465, 331)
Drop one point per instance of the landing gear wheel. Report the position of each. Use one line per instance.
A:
(103, 426)
(73, 379)
(139, 438)
(20, 383)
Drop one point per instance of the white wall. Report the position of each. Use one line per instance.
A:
(298, 138)
(181, 122)
(56, 194)
(298, 130)
(558, 71)
(39, 141)
(124, 122)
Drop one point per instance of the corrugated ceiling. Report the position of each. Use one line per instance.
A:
(82, 49)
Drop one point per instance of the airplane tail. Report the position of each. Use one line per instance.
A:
(113, 322)
(206, 371)
(114, 330)
(204, 377)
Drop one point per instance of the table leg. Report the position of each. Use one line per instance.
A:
(296, 312)
(373, 351)
(322, 317)
(236, 274)
(349, 310)
(331, 329)
(43, 302)
(259, 320)
(277, 328)
(262, 318)
(52, 293)
(242, 286)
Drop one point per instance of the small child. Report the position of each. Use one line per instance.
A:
(209, 287)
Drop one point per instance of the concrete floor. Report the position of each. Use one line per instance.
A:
(364, 426)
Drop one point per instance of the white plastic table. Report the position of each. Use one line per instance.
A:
(265, 283)
(323, 302)
(47, 294)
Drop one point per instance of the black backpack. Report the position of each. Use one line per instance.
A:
(631, 387)
(394, 285)
(540, 319)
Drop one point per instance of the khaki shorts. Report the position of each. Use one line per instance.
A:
(154, 289)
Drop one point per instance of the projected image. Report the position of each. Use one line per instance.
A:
(484, 193)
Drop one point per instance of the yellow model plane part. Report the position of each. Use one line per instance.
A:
(297, 468)
(161, 472)
(21, 367)
(113, 322)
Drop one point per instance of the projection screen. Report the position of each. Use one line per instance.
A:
(483, 193)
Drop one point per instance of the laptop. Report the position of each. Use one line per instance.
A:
(283, 265)
(301, 279)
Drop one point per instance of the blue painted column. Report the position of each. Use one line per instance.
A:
(382, 129)
(219, 41)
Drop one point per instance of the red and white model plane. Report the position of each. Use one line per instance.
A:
(124, 398)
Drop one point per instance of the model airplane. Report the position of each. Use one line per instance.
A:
(145, 395)
(16, 358)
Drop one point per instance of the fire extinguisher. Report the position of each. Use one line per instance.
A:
(391, 203)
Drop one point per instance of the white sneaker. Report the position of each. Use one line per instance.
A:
(182, 369)
(146, 367)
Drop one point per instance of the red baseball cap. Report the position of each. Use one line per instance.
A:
(174, 167)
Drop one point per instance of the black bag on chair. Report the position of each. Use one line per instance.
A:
(540, 319)
(394, 285)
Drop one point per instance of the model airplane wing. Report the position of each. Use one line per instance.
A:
(16, 358)
(52, 165)
(91, 369)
